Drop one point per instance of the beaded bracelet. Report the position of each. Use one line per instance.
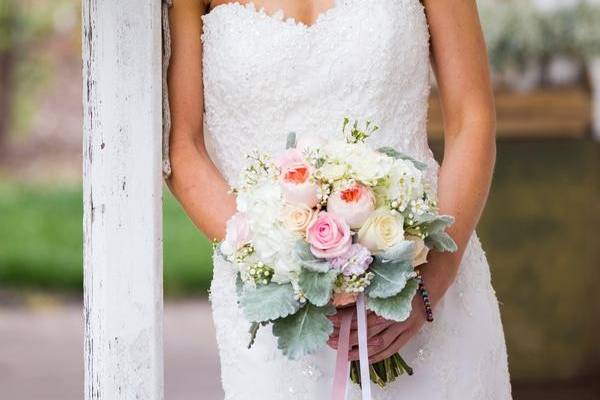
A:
(425, 295)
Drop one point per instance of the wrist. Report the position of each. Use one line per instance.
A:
(438, 275)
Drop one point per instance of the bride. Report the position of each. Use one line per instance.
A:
(243, 74)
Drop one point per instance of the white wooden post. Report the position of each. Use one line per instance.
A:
(122, 199)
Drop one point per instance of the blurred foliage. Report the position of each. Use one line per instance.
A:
(518, 32)
(41, 242)
(27, 28)
(587, 29)
(25, 21)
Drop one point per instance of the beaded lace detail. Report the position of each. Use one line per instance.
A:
(266, 75)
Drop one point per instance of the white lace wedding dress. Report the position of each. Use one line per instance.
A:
(266, 75)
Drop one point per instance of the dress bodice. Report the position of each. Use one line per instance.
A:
(266, 75)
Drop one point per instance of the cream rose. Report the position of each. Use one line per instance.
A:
(421, 250)
(297, 217)
(381, 230)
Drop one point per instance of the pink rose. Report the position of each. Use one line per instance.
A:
(295, 179)
(237, 234)
(329, 236)
(354, 204)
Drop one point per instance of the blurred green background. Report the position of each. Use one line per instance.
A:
(539, 228)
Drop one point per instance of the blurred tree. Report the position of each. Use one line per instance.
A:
(9, 21)
(24, 26)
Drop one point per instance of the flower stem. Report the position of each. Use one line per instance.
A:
(383, 372)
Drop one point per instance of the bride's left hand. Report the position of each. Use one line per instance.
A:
(385, 338)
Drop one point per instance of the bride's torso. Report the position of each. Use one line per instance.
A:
(266, 75)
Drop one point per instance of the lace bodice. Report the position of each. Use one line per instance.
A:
(266, 75)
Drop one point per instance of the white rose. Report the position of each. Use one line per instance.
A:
(382, 230)
(421, 250)
(297, 217)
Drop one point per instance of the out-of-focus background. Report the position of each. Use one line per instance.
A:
(539, 228)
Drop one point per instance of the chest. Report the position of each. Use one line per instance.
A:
(352, 39)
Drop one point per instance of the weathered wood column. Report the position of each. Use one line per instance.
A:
(122, 199)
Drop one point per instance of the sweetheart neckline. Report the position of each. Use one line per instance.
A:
(279, 15)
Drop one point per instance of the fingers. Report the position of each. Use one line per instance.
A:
(392, 349)
(372, 331)
(336, 319)
(372, 320)
(382, 341)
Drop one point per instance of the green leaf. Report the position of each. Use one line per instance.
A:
(402, 251)
(291, 141)
(308, 260)
(441, 241)
(304, 332)
(390, 278)
(317, 286)
(268, 302)
(391, 152)
(395, 308)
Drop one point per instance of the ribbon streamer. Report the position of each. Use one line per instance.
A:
(340, 379)
(342, 364)
(363, 351)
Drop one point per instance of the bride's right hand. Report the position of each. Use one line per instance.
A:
(375, 325)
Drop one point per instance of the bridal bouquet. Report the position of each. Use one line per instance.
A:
(323, 225)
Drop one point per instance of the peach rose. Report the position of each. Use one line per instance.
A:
(295, 179)
(354, 204)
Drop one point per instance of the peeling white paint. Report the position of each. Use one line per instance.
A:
(122, 199)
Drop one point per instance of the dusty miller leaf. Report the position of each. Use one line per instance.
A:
(291, 141)
(268, 302)
(395, 308)
(391, 152)
(308, 260)
(317, 286)
(402, 251)
(389, 279)
(437, 224)
(441, 241)
(304, 332)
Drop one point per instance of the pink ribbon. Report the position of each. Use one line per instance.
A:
(342, 364)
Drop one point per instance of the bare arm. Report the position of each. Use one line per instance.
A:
(461, 66)
(195, 181)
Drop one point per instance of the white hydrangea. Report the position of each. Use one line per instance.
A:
(272, 241)
(405, 183)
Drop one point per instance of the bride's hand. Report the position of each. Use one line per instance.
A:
(384, 337)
